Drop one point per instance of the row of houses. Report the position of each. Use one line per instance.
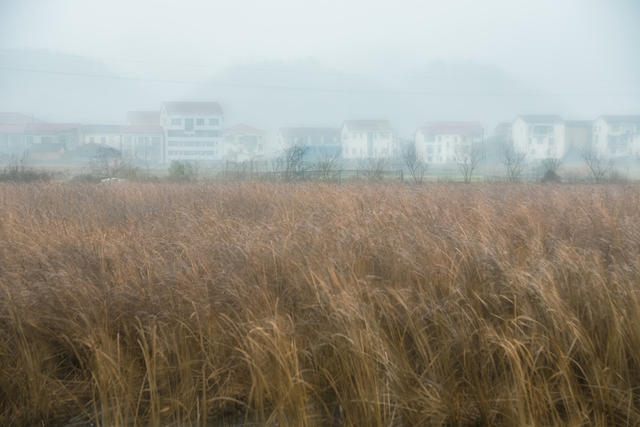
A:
(195, 131)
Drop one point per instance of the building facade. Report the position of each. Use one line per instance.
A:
(615, 136)
(447, 142)
(192, 131)
(107, 135)
(243, 142)
(319, 142)
(68, 134)
(13, 139)
(539, 137)
(367, 139)
(142, 144)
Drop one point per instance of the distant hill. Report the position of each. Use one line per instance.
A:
(63, 93)
(274, 94)
(269, 94)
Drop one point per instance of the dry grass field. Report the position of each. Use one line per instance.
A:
(316, 304)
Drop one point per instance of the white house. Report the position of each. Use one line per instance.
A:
(367, 139)
(143, 118)
(539, 136)
(615, 136)
(192, 131)
(107, 135)
(68, 134)
(319, 142)
(243, 142)
(447, 142)
(13, 140)
(142, 143)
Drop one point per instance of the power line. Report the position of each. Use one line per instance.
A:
(314, 89)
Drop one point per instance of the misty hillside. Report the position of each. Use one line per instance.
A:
(68, 90)
(269, 94)
(297, 93)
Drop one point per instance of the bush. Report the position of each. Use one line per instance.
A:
(182, 171)
(21, 173)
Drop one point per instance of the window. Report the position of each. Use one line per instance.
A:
(214, 122)
(188, 124)
(199, 122)
(92, 140)
(103, 140)
(176, 122)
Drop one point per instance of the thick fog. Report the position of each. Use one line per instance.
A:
(289, 62)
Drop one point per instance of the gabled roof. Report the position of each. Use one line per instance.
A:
(241, 128)
(452, 128)
(503, 128)
(51, 127)
(140, 129)
(368, 125)
(301, 132)
(579, 123)
(9, 118)
(15, 122)
(540, 118)
(193, 107)
(115, 129)
(143, 117)
(621, 118)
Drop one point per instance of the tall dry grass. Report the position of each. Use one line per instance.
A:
(319, 304)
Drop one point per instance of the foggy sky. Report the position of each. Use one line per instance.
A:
(574, 50)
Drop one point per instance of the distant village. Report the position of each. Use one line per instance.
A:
(197, 132)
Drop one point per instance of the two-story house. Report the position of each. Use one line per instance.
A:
(447, 142)
(192, 131)
(614, 136)
(243, 142)
(13, 141)
(367, 139)
(143, 118)
(67, 134)
(107, 135)
(539, 136)
(142, 144)
(319, 142)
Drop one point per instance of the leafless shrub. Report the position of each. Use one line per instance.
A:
(550, 168)
(598, 166)
(326, 167)
(294, 162)
(374, 168)
(416, 166)
(514, 162)
(468, 162)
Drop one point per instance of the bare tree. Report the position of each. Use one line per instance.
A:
(374, 168)
(468, 162)
(550, 167)
(294, 164)
(514, 162)
(326, 166)
(414, 163)
(598, 166)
